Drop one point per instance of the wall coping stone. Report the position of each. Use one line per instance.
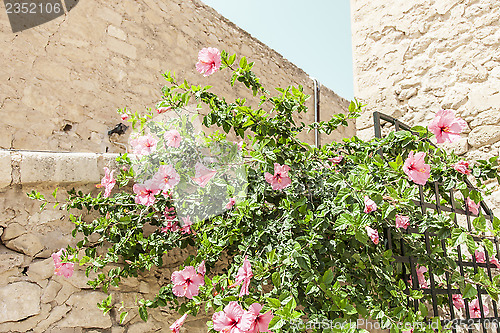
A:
(28, 167)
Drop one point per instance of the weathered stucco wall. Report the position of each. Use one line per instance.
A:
(413, 58)
(61, 82)
(60, 86)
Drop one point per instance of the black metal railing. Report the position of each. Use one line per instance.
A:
(443, 204)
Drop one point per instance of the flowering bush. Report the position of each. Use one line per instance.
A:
(301, 226)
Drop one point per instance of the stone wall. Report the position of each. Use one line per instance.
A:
(60, 86)
(32, 298)
(413, 58)
(61, 82)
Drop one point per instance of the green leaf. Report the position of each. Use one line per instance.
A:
(419, 129)
(276, 279)
(276, 323)
(488, 245)
(469, 291)
(271, 256)
(274, 303)
(496, 223)
(475, 196)
(123, 315)
(458, 237)
(493, 292)
(143, 313)
(290, 306)
(423, 309)
(471, 244)
(303, 263)
(105, 305)
(343, 221)
(328, 277)
(243, 63)
(479, 223)
(399, 160)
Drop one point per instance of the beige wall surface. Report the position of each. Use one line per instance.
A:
(61, 82)
(413, 58)
(60, 86)
(32, 298)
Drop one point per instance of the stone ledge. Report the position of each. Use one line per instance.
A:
(52, 167)
(5, 169)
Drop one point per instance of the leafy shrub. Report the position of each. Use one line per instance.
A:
(301, 226)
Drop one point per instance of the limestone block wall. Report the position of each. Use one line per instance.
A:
(61, 82)
(413, 58)
(32, 298)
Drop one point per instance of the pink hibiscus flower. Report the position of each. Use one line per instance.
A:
(480, 256)
(172, 138)
(370, 205)
(240, 145)
(446, 127)
(171, 226)
(494, 262)
(187, 282)
(144, 145)
(458, 301)
(201, 268)
(462, 167)
(169, 213)
(280, 180)
(124, 116)
(108, 182)
(171, 222)
(402, 221)
(336, 160)
(209, 61)
(186, 225)
(416, 169)
(176, 326)
(231, 203)
(65, 269)
(473, 207)
(373, 234)
(163, 109)
(166, 177)
(230, 319)
(475, 309)
(260, 322)
(243, 277)
(203, 174)
(421, 277)
(146, 193)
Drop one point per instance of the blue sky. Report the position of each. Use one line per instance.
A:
(315, 35)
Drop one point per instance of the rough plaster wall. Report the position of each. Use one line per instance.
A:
(413, 58)
(78, 69)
